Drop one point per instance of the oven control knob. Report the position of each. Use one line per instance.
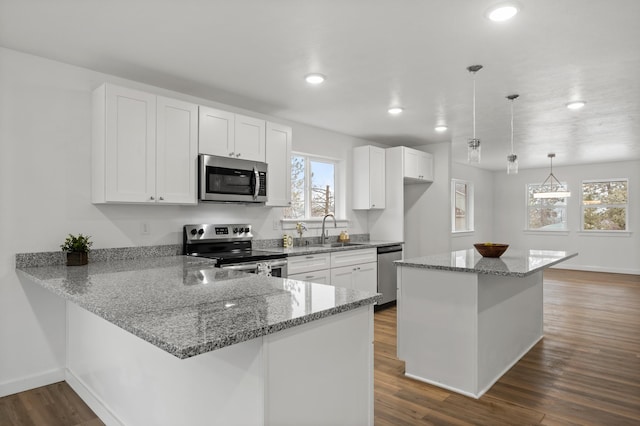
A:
(244, 229)
(200, 231)
(235, 230)
(194, 232)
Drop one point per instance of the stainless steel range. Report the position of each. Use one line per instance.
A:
(231, 247)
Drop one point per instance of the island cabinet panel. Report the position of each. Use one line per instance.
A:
(299, 376)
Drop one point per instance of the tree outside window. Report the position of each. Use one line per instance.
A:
(312, 187)
(605, 205)
(545, 214)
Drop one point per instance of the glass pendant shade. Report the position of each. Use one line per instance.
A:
(473, 151)
(512, 164)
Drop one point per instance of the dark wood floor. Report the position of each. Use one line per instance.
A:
(586, 370)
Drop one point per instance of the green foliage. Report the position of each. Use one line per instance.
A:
(80, 244)
(605, 205)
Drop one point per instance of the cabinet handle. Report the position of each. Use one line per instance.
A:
(309, 276)
(151, 198)
(161, 199)
(308, 257)
(231, 154)
(237, 155)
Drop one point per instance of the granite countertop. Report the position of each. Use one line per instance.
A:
(186, 306)
(316, 248)
(513, 263)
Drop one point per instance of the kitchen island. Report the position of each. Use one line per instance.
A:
(464, 320)
(174, 340)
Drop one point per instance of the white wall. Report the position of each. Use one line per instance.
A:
(597, 252)
(482, 181)
(45, 131)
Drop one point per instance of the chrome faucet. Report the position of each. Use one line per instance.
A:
(335, 225)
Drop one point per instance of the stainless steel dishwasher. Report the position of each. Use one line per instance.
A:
(387, 278)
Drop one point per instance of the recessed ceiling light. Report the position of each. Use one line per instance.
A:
(576, 104)
(441, 129)
(314, 78)
(503, 12)
(395, 110)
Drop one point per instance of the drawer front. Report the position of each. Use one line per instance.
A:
(321, 277)
(353, 257)
(308, 263)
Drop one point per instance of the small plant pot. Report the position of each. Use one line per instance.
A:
(77, 258)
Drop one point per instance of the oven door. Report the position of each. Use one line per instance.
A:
(232, 180)
(272, 268)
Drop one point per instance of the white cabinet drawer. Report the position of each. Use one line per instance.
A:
(352, 257)
(308, 263)
(321, 277)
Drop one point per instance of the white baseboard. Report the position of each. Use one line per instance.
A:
(93, 401)
(588, 268)
(31, 382)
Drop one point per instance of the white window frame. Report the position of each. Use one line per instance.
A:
(528, 208)
(625, 206)
(469, 203)
(338, 207)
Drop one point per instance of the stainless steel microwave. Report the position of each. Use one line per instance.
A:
(231, 180)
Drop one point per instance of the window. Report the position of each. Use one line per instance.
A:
(313, 183)
(461, 206)
(545, 214)
(605, 205)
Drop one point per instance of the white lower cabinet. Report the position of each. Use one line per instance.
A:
(358, 277)
(322, 276)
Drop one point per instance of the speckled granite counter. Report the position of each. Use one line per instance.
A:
(513, 263)
(186, 306)
(315, 248)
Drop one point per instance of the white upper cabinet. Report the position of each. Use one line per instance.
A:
(278, 155)
(176, 151)
(250, 138)
(418, 166)
(368, 178)
(144, 148)
(227, 134)
(216, 132)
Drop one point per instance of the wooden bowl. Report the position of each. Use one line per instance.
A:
(491, 249)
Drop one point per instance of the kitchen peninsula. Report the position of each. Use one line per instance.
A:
(464, 319)
(174, 340)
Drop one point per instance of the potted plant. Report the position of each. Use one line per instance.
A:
(77, 248)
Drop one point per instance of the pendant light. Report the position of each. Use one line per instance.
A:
(512, 158)
(551, 187)
(473, 146)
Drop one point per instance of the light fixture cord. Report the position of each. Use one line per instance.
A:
(512, 126)
(474, 105)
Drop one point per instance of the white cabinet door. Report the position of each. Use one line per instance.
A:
(250, 138)
(216, 132)
(418, 165)
(278, 156)
(322, 276)
(176, 151)
(127, 146)
(368, 178)
(343, 277)
(366, 277)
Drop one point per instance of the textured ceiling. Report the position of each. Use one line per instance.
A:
(376, 54)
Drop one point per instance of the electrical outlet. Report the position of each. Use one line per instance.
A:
(145, 229)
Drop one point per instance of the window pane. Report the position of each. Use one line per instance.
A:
(605, 218)
(608, 192)
(296, 211)
(461, 207)
(545, 213)
(322, 188)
